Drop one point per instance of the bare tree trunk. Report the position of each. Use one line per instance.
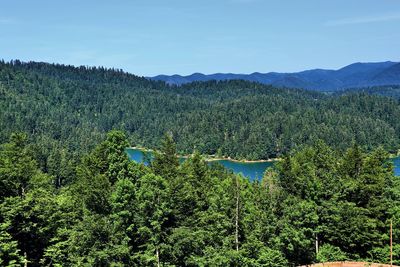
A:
(25, 260)
(391, 242)
(158, 257)
(237, 214)
(157, 250)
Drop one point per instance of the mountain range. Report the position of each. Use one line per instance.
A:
(352, 76)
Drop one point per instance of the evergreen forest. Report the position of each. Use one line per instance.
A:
(72, 108)
(69, 195)
(316, 205)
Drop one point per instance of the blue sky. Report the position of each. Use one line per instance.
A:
(183, 36)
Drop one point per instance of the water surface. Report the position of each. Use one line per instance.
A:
(396, 162)
(252, 170)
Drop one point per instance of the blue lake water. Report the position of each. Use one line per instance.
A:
(252, 170)
(396, 162)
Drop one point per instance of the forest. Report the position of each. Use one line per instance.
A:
(390, 91)
(70, 109)
(316, 205)
(69, 195)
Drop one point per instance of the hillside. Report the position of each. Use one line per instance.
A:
(389, 75)
(351, 76)
(389, 91)
(74, 107)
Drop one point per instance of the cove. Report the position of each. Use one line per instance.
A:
(252, 170)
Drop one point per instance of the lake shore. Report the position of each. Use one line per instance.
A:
(210, 158)
(394, 155)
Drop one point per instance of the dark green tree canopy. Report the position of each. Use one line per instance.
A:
(64, 107)
(317, 204)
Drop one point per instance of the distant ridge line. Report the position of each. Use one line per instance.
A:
(352, 76)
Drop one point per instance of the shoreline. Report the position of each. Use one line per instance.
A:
(210, 158)
(394, 155)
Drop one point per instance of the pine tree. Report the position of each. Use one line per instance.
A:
(10, 254)
(153, 214)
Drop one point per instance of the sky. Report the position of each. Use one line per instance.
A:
(152, 37)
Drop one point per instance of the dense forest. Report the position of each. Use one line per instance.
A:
(69, 195)
(389, 91)
(67, 110)
(316, 205)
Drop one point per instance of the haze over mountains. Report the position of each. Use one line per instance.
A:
(351, 76)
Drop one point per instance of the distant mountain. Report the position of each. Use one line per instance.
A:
(389, 75)
(351, 76)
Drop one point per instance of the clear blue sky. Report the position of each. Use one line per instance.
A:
(184, 36)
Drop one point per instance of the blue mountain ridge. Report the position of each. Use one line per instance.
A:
(352, 76)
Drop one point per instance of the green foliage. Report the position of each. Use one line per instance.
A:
(9, 253)
(114, 212)
(153, 215)
(69, 196)
(166, 161)
(329, 253)
(16, 166)
(270, 257)
(382, 254)
(69, 108)
(341, 200)
(390, 91)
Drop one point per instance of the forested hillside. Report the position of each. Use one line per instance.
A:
(389, 91)
(69, 196)
(114, 212)
(69, 110)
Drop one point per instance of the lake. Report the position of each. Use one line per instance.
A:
(396, 162)
(252, 170)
